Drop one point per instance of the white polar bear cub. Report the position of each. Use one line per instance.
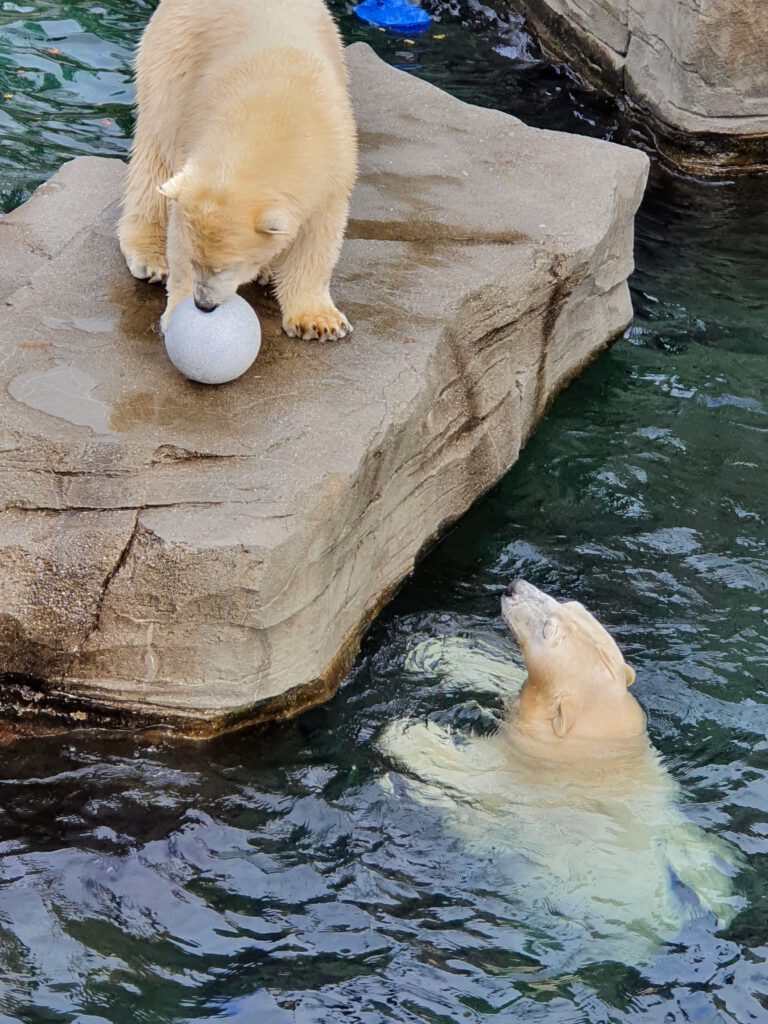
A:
(244, 157)
(568, 799)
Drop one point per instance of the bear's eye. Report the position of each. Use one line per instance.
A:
(549, 630)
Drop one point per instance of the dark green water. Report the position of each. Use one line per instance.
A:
(271, 877)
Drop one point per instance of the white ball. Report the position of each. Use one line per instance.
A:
(216, 347)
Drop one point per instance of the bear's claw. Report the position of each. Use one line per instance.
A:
(152, 269)
(325, 325)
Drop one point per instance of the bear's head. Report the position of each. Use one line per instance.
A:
(577, 685)
(231, 232)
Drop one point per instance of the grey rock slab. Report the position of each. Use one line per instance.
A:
(703, 65)
(695, 72)
(205, 557)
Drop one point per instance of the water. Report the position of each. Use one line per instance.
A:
(275, 877)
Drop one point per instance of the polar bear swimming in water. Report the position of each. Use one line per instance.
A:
(568, 798)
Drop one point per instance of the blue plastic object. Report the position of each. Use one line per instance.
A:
(399, 15)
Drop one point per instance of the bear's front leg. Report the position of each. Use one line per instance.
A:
(181, 280)
(303, 277)
(142, 229)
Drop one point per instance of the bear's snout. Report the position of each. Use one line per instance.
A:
(524, 608)
(521, 588)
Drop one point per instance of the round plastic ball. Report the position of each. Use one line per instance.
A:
(215, 347)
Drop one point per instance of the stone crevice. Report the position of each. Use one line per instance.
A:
(60, 510)
(122, 558)
(168, 454)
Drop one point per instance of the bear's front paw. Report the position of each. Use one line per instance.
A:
(175, 296)
(149, 267)
(165, 319)
(324, 324)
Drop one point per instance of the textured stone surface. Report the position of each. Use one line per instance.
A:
(696, 70)
(205, 556)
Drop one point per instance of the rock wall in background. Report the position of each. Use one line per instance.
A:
(695, 71)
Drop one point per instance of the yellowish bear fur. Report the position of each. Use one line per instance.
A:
(568, 799)
(244, 156)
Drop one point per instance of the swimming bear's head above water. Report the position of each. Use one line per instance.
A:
(577, 685)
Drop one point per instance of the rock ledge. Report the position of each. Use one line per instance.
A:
(203, 558)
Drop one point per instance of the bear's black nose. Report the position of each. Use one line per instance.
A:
(512, 588)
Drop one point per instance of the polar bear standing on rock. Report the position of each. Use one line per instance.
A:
(568, 799)
(244, 157)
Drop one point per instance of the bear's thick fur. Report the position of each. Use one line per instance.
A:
(244, 156)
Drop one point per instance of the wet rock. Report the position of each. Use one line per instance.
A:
(695, 73)
(204, 557)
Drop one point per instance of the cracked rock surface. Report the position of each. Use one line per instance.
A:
(696, 70)
(203, 557)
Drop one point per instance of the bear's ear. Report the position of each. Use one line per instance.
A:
(273, 222)
(562, 720)
(171, 189)
(630, 674)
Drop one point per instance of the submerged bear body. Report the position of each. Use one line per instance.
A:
(585, 827)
